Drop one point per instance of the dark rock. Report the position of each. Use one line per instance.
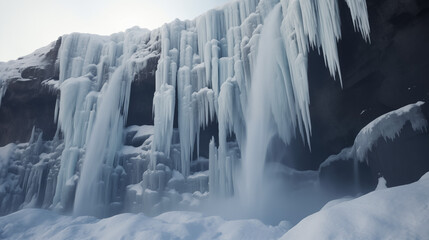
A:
(402, 160)
(347, 177)
(141, 98)
(28, 103)
(394, 147)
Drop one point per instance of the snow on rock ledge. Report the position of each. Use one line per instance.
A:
(28, 67)
(394, 146)
(388, 127)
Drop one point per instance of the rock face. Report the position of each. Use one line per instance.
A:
(142, 89)
(28, 103)
(385, 75)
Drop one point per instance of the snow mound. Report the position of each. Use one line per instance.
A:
(394, 213)
(43, 224)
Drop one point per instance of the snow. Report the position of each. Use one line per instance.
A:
(388, 126)
(137, 188)
(43, 224)
(130, 151)
(394, 213)
(144, 131)
(381, 184)
(5, 153)
(11, 71)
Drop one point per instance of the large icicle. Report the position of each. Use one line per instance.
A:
(93, 191)
(359, 13)
(163, 105)
(76, 114)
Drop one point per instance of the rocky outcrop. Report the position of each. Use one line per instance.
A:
(393, 146)
(386, 74)
(28, 103)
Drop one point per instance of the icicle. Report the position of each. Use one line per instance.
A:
(214, 62)
(359, 13)
(106, 138)
(163, 105)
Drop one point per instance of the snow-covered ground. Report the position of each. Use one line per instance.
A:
(394, 213)
(44, 224)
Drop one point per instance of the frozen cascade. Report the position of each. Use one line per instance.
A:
(279, 97)
(95, 81)
(262, 114)
(198, 57)
(73, 121)
(93, 191)
(212, 66)
(218, 52)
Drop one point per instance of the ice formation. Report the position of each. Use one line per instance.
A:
(242, 66)
(95, 81)
(218, 54)
(28, 173)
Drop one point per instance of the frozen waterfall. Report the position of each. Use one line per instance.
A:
(254, 81)
(279, 97)
(265, 107)
(241, 67)
(94, 83)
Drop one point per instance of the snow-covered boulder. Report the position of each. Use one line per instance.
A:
(393, 146)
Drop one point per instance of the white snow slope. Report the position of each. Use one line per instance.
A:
(43, 224)
(394, 213)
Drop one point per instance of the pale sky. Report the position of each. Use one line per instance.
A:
(26, 25)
